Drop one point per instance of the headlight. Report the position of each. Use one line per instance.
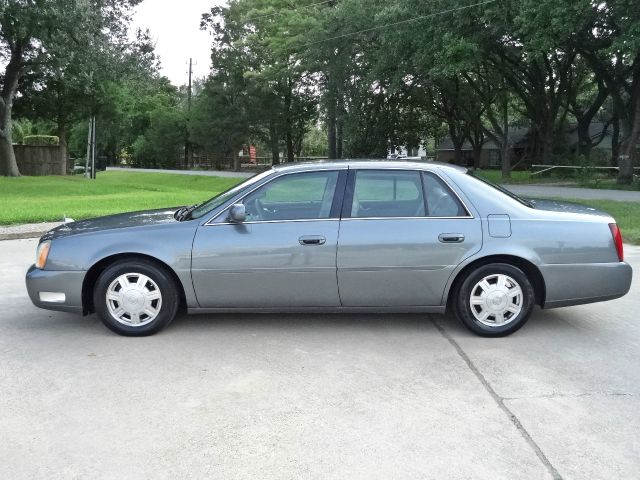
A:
(42, 253)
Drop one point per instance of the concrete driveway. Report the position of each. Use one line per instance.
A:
(317, 396)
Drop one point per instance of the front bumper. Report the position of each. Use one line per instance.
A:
(576, 284)
(55, 290)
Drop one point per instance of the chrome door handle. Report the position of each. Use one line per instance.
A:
(451, 237)
(312, 240)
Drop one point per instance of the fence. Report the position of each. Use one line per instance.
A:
(214, 162)
(40, 160)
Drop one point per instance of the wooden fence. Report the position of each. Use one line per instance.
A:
(40, 160)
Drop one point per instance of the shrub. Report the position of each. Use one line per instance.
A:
(41, 140)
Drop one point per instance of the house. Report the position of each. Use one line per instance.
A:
(490, 153)
(520, 140)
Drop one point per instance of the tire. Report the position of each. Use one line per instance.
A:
(494, 300)
(135, 298)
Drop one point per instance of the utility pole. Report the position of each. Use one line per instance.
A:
(187, 146)
(90, 161)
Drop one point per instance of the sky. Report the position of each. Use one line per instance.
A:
(175, 27)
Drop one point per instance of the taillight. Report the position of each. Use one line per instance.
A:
(617, 240)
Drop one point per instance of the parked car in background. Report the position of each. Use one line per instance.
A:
(337, 236)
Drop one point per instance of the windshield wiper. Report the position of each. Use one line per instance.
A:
(184, 212)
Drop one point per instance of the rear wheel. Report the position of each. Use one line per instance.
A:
(494, 300)
(135, 298)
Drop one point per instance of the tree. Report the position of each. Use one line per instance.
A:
(39, 38)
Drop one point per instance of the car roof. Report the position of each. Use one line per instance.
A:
(368, 164)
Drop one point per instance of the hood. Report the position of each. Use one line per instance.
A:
(565, 207)
(122, 220)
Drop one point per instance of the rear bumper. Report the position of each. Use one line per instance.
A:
(576, 284)
(55, 290)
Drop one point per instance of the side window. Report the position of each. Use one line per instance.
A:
(387, 193)
(296, 196)
(441, 201)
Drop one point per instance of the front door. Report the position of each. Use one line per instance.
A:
(402, 235)
(283, 255)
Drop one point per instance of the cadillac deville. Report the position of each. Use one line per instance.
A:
(336, 236)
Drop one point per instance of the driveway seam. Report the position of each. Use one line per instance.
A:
(500, 402)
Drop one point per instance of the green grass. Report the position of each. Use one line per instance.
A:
(519, 176)
(597, 180)
(40, 199)
(627, 215)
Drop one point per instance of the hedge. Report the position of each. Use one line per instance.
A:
(41, 140)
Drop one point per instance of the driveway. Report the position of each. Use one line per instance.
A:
(317, 396)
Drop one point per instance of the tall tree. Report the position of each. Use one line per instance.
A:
(35, 38)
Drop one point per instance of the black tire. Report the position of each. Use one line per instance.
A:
(170, 298)
(463, 308)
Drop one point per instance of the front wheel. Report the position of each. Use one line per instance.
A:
(135, 298)
(494, 300)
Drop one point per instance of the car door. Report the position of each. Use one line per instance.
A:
(402, 234)
(282, 255)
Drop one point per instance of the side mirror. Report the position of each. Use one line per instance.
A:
(237, 213)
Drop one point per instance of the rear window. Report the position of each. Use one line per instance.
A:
(501, 189)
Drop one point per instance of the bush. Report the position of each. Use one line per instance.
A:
(41, 140)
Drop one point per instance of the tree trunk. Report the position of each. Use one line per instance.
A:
(8, 164)
(236, 160)
(289, 141)
(629, 145)
(477, 155)
(505, 154)
(331, 129)
(274, 141)
(546, 144)
(457, 151)
(63, 148)
(615, 141)
(339, 136)
(584, 137)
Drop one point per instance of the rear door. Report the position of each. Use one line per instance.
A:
(402, 234)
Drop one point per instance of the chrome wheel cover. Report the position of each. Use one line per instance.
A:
(133, 299)
(496, 300)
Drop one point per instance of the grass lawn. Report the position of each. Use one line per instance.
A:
(40, 199)
(598, 180)
(518, 176)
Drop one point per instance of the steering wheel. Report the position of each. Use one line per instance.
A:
(254, 208)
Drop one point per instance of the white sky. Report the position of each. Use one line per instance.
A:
(175, 27)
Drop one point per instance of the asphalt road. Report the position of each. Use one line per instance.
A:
(317, 396)
(551, 191)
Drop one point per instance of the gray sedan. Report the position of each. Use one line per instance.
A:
(337, 236)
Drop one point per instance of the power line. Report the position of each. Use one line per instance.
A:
(282, 12)
(393, 24)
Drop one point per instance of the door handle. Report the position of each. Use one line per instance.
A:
(312, 240)
(451, 237)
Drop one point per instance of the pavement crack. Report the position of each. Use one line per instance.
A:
(571, 395)
(500, 402)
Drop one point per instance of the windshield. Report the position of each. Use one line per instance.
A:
(501, 189)
(221, 198)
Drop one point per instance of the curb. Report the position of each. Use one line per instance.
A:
(21, 235)
(29, 230)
